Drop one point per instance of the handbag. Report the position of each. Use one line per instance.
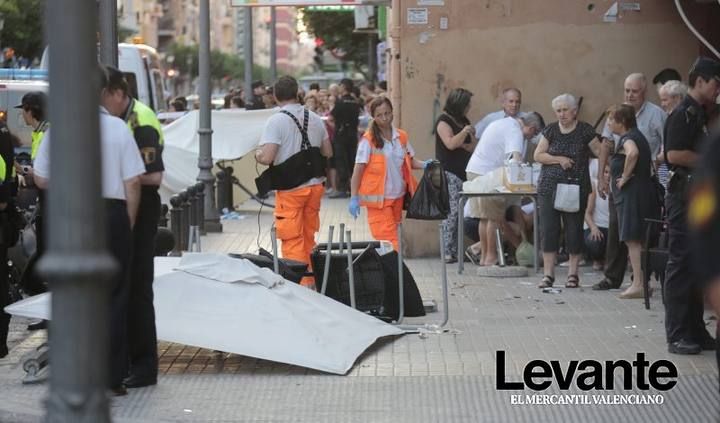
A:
(567, 197)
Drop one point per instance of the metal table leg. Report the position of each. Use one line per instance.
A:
(536, 238)
(461, 234)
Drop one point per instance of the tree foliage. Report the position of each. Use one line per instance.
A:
(23, 26)
(336, 30)
(223, 66)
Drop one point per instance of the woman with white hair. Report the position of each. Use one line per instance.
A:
(564, 151)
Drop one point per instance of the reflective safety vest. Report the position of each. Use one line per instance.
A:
(37, 136)
(3, 170)
(142, 115)
(372, 185)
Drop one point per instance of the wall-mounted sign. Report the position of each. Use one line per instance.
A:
(431, 2)
(241, 3)
(417, 16)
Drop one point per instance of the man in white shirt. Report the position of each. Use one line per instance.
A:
(297, 210)
(651, 122)
(511, 101)
(122, 166)
(503, 140)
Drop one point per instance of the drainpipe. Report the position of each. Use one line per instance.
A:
(395, 89)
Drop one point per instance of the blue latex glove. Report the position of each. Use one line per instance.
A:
(427, 162)
(354, 207)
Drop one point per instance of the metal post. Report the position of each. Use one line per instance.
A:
(222, 180)
(500, 252)
(372, 68)
(229, 188)
(273, 44)
(184, 221)
(77, 264)
(176, 223)
(342, 238)
(401, 277)
(351, 273)
(108, 32)
(328, 258)
(200, 189)
(276, 253)
(248, 50)
(205, 162)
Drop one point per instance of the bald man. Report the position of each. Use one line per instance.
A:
(650, 121)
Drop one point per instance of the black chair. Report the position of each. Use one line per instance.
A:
(654, 254)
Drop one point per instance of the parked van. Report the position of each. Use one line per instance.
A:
(14, 84)
(143, 70)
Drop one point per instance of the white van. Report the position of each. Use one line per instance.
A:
(14, 84)
(143, 70)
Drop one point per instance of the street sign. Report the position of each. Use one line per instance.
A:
(252, 3)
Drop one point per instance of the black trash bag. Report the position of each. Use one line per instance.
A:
(431, 200)
(291, 270)
(413, 306)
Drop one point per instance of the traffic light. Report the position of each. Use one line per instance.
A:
(319, 60)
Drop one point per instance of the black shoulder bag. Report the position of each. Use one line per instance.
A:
(302, 166)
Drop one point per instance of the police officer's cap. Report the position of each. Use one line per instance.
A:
(35, 100)
(706, 67)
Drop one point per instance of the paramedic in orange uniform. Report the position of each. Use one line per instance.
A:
(297, 210)
(383, 173)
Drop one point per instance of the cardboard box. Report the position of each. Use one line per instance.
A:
(518, 177)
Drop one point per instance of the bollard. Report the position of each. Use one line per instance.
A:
(221, 195)
(176, 223)
(192, 199)
(163, 221)
(229, 187)
(200, 187)
(185, 221)
(193, 243)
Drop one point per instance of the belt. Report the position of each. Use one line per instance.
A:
(115, 202)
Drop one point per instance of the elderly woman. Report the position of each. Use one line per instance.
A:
(454, 143)
(564, 151)
(383, 173)
(630, 182)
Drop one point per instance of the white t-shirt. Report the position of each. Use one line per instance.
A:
(121, 158)
(280, 129)
(394, 157)
(501, 138)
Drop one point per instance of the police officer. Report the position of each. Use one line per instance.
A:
(6, 180)
(704, 221)
(142, 337)
(34, 106)
(346, 114)
(684, 132)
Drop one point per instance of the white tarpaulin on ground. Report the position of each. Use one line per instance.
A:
(221, 303)
(235, 133)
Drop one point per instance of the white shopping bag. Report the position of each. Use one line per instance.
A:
(567, 198)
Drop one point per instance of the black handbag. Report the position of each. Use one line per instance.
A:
(431, 200)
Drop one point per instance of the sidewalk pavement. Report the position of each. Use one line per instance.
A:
(443, 376)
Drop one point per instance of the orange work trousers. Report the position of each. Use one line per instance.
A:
(297, 219)
(384, 221)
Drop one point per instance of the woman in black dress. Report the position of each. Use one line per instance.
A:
(454, 143)
(631, 183)
(563, 151)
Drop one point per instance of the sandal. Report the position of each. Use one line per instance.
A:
(572, 281)
(547, 281)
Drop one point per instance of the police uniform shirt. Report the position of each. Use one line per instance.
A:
(704, 212)
(346, 114)
(121, 158)
(147, 133)
(6, 152)
(280, 129)
(685, 127)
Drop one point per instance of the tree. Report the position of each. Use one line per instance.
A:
(223, 66)
(335, 28)
(23, 26)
